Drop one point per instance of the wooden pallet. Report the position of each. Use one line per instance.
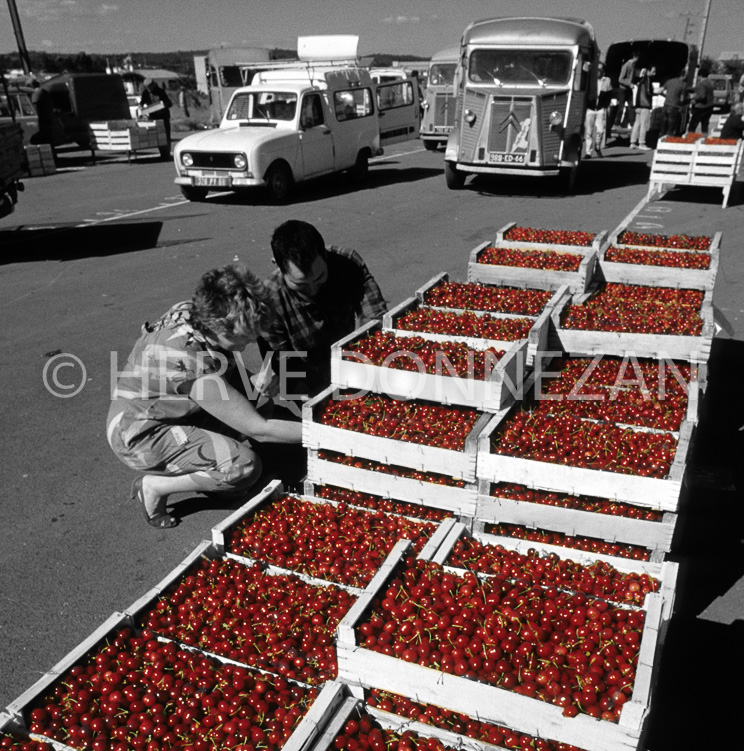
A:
(657, 536)
(365, 668)
(503, 385)
(693, 349)
(458, 501)
(387, 451)
(657, 493)
(127, 136)
(695, 164)
(577, 281)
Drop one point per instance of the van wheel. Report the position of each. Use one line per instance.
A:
(165, 152)
(279, 182)
(360, 171)
(431, 145)
(193, 194)
(567, 177)
(454, 179)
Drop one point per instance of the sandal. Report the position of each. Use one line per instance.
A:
(160, 520)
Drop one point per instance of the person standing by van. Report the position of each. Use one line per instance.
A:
(642, 110)
(703, 100)
(153, 94)
(595, 120)
(675, 97)
(625, 85)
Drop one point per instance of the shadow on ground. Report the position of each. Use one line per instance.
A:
(698, 694)
(69, 242)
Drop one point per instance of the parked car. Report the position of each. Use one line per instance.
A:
(723, 91)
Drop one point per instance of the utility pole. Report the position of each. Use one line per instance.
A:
(704, 27)
(20, 41)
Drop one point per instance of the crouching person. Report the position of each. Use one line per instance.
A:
(175, 415)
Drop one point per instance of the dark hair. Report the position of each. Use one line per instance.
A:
(298, 242)
(230, 299)
(704, 71)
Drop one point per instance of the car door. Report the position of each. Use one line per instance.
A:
(316, 138)
(398, 111)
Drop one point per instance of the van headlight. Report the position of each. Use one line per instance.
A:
(425, 104)
(240, 161)
(469, 117)
(187, 159)
(555, 118)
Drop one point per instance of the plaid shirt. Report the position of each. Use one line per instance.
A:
(350, 296)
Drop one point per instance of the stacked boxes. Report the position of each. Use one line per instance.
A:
(40, 160)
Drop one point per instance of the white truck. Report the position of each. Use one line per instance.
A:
(298, 121)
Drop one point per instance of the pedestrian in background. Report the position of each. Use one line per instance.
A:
(733, 128)
(642, 109)
(675, 98)
(703, 99)
(153, 94)
(595, 121)
(183, 101)
(625, 89)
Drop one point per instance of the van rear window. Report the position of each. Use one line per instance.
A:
(350, 104)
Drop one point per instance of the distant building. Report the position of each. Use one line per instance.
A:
(731, 57)
(166, 78)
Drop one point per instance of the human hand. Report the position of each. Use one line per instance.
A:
(266, 382)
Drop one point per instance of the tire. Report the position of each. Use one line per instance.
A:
(567, 177)
(279, 182)
(193, 194)
(454, 179)
(360, 171)
(431, 145)
(165, 152)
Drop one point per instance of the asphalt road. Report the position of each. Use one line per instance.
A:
(95, 250)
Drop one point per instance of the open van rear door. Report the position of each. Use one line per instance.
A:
(398, 111)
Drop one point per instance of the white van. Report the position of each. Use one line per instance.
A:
(298, 121)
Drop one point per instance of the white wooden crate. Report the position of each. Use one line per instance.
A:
(387, 451)
(661, 276)
(502, 242)
(459, 501)
(695, 164)
(694, 349)
(488, 273)
(654, 535)
(127, 135)
(366, 668)
(658, 493)
(502, 386)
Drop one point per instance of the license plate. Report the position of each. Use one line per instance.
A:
(499, 158)
(211, 182)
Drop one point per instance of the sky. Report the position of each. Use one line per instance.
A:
(415, 27)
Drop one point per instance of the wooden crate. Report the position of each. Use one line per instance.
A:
(502, 242)
(695, 164)
(460, 501)
(39, 160)
(657, 493)
(614, 237)
(500, 388)
(127, 135)
(577, 281)
(657, 536)
(268, 495)
(661, 276)
(665, 572)
(537, 338)
(387, 451)
(369, 669)
(693, 349)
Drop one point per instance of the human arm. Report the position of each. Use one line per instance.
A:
(215, 396)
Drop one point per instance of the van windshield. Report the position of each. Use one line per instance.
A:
(521, 67)
(442, 74)
(263, 105)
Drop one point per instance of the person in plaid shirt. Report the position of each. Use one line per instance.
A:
(319, 295)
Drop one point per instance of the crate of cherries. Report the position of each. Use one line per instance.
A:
(543, 258)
